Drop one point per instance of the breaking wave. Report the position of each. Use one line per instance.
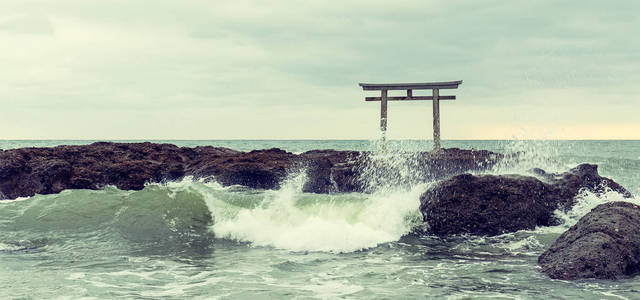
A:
(292, 220)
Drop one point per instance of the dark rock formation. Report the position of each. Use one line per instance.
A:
(262, 169)
(27, 171)
(604, 244)
(568, 184)
(492, 205)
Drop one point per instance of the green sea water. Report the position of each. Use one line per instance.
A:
(199, 240)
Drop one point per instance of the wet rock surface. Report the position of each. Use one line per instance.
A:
(604, 244)
(27, 171)
(492, 204)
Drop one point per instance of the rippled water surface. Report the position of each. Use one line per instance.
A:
(194, 239)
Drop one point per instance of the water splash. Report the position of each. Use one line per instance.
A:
(292, 220)
(521, 156)
(585, 202)
(393, 167)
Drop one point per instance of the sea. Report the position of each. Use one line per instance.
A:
(193, 239)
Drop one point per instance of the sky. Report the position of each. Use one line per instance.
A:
(81, 69)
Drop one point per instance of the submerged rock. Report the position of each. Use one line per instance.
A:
(492, 204)
(129, 166)
(604, 244)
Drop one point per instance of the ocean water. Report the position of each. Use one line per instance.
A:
(199, 240)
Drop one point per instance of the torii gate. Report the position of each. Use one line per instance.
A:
(435, 87)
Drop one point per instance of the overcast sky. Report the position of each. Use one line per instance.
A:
(78, 69)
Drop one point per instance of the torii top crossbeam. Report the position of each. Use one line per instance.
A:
(434, 86)
(410, 86)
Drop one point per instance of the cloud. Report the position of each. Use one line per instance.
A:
(37, 24)
(262, 69)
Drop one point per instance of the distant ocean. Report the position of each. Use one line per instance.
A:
(197, 240)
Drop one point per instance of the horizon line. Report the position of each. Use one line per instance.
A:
(308, 139)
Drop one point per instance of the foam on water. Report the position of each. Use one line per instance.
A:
(585, 202)
(9, 247)
(336, 226)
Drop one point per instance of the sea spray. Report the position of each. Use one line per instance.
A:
(585, 201)
(392, 167)
(522, 156)
(292, 220)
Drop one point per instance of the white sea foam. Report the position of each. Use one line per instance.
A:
(7, 201)
(525, 245)
(187, 182)
(585, 202)
(9, 247)
(328, 289)
(326, 226)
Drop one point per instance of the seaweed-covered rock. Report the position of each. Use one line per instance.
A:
(604, 244)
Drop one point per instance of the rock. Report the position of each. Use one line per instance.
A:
(129, 166)
(487, 205)
(492, 205)
(262, 169)
(583, 176)
(604, 244)
(54, 174)
(331, 171)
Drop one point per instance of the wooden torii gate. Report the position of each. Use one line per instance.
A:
(435, 87)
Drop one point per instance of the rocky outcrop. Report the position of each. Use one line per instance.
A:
(27, 171)
(585, 176)
(604, 244)
(492, 205)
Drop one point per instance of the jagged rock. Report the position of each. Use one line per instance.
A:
(586, 176)
(27, 171)
(604, 244)
(492, 205)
